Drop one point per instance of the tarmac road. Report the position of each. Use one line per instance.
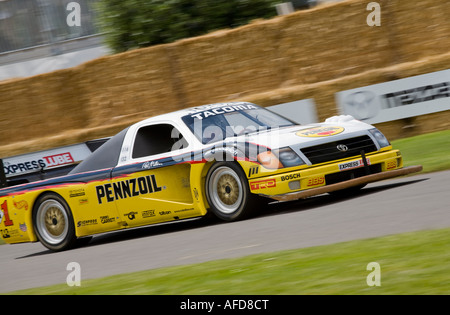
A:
(395, 206)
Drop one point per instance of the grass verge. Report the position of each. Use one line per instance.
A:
(411, 263)
(430, 150)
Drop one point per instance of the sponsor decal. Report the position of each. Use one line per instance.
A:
(77, 193)
(127, 188)
(130, 215)
(38, 164)
(22, 204)
(316, 181)
(24, 167)
(221, 110)
(4, 214)
(164, 212)
(353, 164)
(23, 227)
(107, 219)
(267, 183)
(59, 159)
(11, 233)
(391, 164)
(253, 171)
(183, 210)
(320, 132)
(196, 194)
(87, 222)
(151, 164)
(290, 176)
(148, 214)
(5, 233)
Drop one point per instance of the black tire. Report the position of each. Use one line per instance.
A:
(228, 193)
(53, 222)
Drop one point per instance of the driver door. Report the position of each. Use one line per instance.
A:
(155, 187)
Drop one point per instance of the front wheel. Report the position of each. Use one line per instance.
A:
(53, 222)
(227, 192)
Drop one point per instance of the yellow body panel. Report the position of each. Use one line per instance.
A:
(159, 195)
(16, 226)
(301, 178)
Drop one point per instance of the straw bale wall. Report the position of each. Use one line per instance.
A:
(307, 54)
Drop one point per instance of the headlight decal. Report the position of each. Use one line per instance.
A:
(380, 138)
(288, 157)
(280, 158)
(269, 160)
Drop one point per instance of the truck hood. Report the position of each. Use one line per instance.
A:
(333, 129)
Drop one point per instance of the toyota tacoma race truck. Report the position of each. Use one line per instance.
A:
(219, 158)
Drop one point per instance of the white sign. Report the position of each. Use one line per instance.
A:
(413, 96)
(32, 162)
(302, 111)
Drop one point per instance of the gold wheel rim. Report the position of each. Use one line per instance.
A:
(225, 190)
(52, 222)
(228, 189)
(55, 221)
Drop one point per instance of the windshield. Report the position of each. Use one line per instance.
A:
(215, 123)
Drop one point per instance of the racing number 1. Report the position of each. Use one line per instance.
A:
(8, 221)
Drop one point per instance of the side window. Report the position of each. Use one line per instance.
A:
(157, 139)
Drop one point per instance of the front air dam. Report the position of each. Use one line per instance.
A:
(347, 184)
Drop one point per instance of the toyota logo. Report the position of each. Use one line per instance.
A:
(342, 147)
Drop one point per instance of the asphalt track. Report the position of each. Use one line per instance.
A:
(395, 206)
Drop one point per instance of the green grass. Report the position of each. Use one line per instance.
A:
(430, 150)
(411, 263)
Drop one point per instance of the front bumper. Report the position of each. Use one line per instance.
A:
(347, 184)
(342, 174)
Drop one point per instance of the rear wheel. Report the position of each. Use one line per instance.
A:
(227, 192)
(53, 222)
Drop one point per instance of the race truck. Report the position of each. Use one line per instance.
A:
(226, 159)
